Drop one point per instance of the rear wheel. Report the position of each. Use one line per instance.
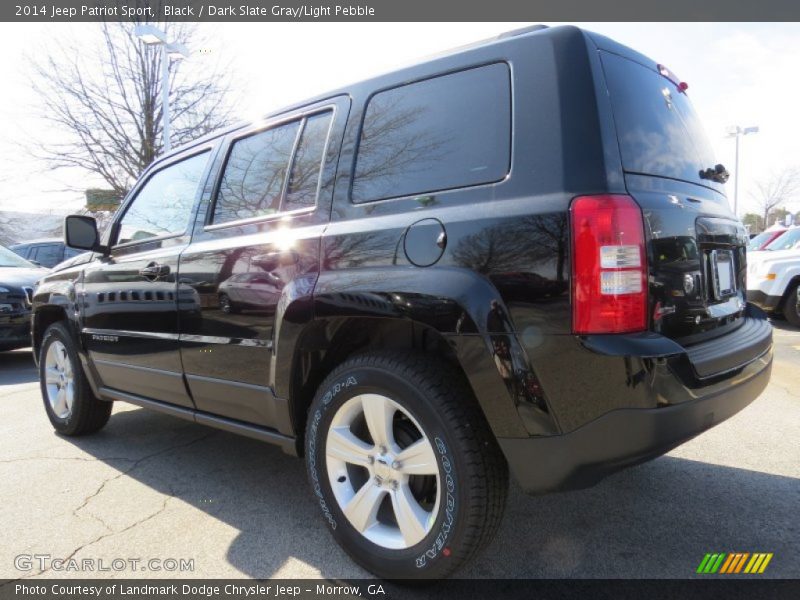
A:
(70, 404)
(791, 308)
(409, 478)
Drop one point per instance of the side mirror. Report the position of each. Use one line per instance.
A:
(81, 232)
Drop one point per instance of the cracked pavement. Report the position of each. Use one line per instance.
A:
(149, 486)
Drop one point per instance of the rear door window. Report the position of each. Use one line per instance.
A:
(252, 182)
(301, 191)
(787, 241)
(658, 130)
(442, 133)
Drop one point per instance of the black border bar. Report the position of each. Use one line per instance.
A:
(706, 588)
(398, 10)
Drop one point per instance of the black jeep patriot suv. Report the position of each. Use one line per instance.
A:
(518, 256)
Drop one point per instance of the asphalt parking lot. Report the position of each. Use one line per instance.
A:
(153, 487)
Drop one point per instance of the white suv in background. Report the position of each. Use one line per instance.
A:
(773, 275)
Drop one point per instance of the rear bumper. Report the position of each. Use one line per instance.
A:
(628, 436)
(762, 300)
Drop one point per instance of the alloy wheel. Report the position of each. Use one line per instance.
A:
(383, 471)
(59, 380)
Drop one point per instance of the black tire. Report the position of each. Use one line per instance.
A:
(88, 413)
(472, 469)
(791, 307)
(226, 305)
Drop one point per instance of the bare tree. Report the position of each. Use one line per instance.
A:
(517, 246)
(754, 222)
(776, 189)
(103, 99)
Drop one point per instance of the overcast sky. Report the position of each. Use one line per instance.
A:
(742, 74)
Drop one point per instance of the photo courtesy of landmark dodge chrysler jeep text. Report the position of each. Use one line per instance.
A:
(516, 257)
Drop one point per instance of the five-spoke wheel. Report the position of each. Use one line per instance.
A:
(383, 471)
(71, 406)
(59, 379)
(409, 478)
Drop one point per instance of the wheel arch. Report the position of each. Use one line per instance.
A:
(53, 301)
(787, 291)
(327, 343)
(43, 317)
(454, 314)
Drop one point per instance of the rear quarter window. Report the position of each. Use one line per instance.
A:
(442, 133)
(48, 255)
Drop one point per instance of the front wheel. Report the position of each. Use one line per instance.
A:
(406, 471)
(68, 399)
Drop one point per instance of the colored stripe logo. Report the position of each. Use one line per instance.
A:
(728, 563)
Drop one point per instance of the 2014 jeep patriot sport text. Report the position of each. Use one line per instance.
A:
(514, 257)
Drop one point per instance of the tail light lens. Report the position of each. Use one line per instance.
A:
(609, 265)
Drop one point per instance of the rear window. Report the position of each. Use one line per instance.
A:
(658, 131)
(446, 132)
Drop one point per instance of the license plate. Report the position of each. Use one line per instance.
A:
(724, 277)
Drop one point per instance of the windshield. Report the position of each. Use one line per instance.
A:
(760, 240)
(8, 258)
(787, 241)
(658, 131)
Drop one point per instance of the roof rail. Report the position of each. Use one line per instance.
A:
(521, 31)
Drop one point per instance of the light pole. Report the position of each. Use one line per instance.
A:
(735, 131)
(153, 36)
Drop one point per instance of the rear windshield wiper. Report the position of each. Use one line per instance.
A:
(719, 174)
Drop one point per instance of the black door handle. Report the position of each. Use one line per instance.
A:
(154, 271)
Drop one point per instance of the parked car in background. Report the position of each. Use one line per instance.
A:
(18, 277)
(773, 276)
(45, 252)
(249, 290)
(765, 238)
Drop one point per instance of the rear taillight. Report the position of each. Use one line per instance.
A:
(609, 265)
